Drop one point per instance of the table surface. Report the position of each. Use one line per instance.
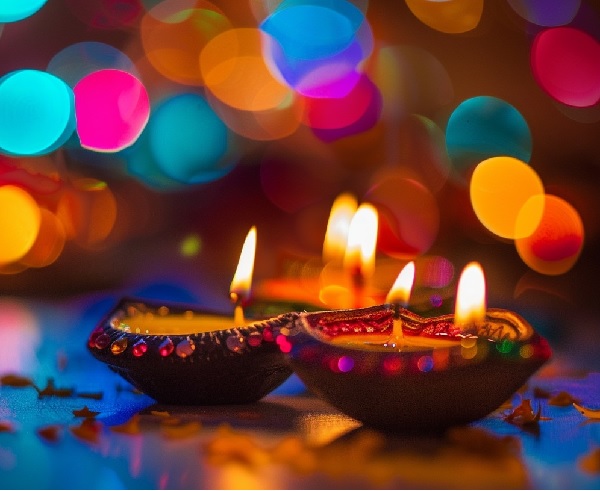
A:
(290, 439)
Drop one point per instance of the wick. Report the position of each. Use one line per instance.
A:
(397, 327)
(358, 286)
(238, 312)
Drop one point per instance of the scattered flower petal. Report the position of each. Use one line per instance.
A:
(85, 413)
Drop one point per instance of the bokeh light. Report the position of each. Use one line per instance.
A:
(236, 73)
(419, 152)
(38, 112)
(141, 164)
(499, 189)
(547, 13)
(449, 16)
(15, 10)
(19, 337)
(555, 245)
(88, 211)
(411, 80)
(409, 216)
(112, 108)
(190, 246)
(267, 125)
(19, 223)
(335, 113)
(330, 76)
(49, 243)
(308, 30)
(188, 141)
(482, 127)
(77, 60)
(566, 64)
(175, 32)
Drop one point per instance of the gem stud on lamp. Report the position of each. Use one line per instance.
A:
(182, 355)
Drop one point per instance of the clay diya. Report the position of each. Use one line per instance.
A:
(184, 355)
(395, 370)
(181, 355)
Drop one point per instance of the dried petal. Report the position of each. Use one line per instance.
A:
(6, 427)
(49, 433)
(562, 399)
(591, 462)
(88, 430)
(524, 415)
(12, 380)
(588, 413)
(51, 391)
(85, 413)
(181, 431)
(91, 395)
(130, 427)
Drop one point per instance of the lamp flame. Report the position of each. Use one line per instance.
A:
(343, 209)
(470, 296)
(362, 241)
(400, 291)
(242, 279)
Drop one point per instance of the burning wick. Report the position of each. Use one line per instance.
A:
(470, 305)
(239, 291)
(359, 259)
(399, 296)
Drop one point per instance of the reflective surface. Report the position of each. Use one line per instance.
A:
(289, 439)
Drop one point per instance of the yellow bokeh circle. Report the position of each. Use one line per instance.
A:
(19, 223)
(499, 188)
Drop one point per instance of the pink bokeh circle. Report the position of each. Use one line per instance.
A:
(112, 108)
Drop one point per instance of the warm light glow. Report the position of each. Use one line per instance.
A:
(470, 296)
(343, 209)
(242, 279)
(362, 241)
(400, 291)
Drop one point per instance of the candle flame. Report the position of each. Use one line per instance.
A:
(470, 296)
(343, 209)
(362, 241)
(400, 291)
(242, 279)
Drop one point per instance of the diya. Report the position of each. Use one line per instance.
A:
(180, 354)
(394, 370)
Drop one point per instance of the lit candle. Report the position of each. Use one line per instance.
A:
(470, 304)
(164, 322)
(359, 258)
(242, 279)
(336, 236)
(399, 296)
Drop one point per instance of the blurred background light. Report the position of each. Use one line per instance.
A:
(547, 13)
(566, 64)
(175, 32)
(38, 112)
(449, 16)
(409, 216)
(556, 243)
(112, 108)
(15, 10)
(188, 140)
(482, 127)
(499, 189)
(77, 60)
(19, 223)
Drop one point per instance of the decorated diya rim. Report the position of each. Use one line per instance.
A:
(114, 341)
(435, 343)
(233, 365)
